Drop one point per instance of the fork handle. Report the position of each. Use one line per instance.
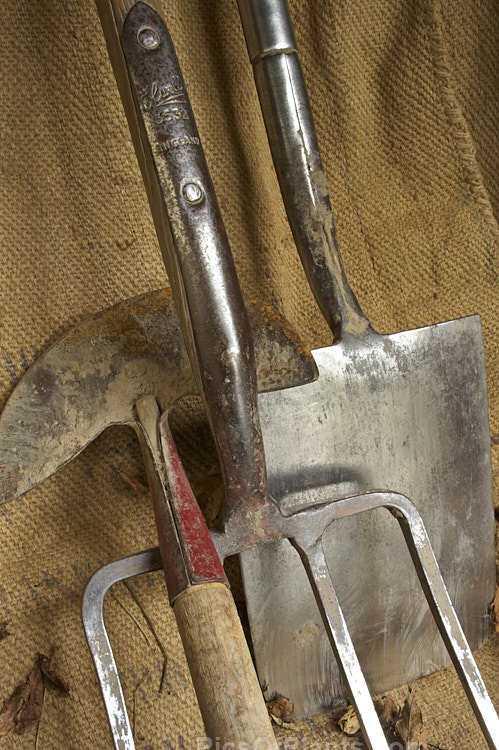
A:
(229, 696)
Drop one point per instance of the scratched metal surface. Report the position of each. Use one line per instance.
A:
(408, 413)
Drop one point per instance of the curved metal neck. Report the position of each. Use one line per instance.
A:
(295, 151)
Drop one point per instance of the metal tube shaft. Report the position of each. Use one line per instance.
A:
(295, 150)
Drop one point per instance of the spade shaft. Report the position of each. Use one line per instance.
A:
(293, 142)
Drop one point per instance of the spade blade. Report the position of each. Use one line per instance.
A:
(406, 412)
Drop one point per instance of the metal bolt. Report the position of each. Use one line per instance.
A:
(192, 193)
(148, 38)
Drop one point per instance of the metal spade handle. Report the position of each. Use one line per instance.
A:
(297, 160)
(192, 238)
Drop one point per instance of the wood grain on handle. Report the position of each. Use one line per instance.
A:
(222, 671)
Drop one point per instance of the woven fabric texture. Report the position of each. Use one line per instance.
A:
(406, 99)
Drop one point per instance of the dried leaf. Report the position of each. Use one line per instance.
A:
(32, 709)
(281, 708)
(294, 726)
(494, 611)
(208, 483)
(12, 707)
(22, 710)
(210, 492)
(410, 725)
(135, 483)
(51, 680)
(388, 711)
(349, 723)
(3, 631)
(280, 722)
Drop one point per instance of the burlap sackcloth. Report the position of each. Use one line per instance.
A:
(406, 99)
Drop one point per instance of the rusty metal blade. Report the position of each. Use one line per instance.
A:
(92, 377)
(87, 381)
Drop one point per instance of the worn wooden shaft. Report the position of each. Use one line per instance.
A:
(223, 674)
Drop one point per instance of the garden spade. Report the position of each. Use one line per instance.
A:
(406, 411)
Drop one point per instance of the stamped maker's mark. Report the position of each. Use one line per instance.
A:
(165, 102)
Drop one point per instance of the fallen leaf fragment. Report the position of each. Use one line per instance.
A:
(387, 711)
(50, 679)
(23, 708)
(494, 611)
(210, 492)
(410, 725)
(294, 726)
(281, 708)
(207, 484)
(11, 709)
(3, 631)
(349, 723)
(135, 483)
(284, 724)
(33, 704)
